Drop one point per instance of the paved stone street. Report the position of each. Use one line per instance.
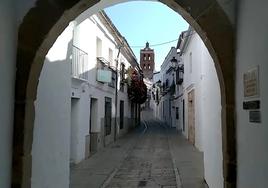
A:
(151, 156)
(149, 164)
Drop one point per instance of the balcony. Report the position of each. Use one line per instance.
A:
(79, 64)
(108, 72)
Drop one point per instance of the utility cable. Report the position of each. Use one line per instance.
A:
(163, 43)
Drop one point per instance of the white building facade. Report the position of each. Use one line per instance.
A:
(202, 105)
(165, 91)
(102, 49)
(190, 100)
(88, 104)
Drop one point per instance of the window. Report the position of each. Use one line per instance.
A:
(108, 116)
(179, 74)
(157, 95)
(122, 71)
(183, 114)
(144, 57)
(113, 82)
(98, 47)
(167, 84)
(190, 63)
(177, 112)
(111, 58)
(149, 67)
(149, 57)
(122, 76)
(122, 86)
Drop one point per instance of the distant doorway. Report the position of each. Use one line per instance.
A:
(74, 124)
(121, 114)
(92, 124)
(108, 116)
(191, 117)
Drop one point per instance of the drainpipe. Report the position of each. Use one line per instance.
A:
(116, 93)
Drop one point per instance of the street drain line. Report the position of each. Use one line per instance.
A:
(146, 127)
(176, 171)
(107, 181)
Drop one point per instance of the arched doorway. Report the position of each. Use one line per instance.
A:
(38, 32)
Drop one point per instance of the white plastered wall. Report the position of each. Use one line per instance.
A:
(204, 81)
(252, 139)
(210, 107)
(192, 74)
(80, 113)
(51, 138)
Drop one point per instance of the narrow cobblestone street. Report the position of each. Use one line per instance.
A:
(149, 163)
(150, 156)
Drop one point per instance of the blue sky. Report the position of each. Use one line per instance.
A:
(140, 21)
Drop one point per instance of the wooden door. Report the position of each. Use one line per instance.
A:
(108, 116)
(121, 114)
(191, 117)
(93, 123)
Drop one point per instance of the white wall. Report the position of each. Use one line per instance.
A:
(80, 124)
(192, 80)
(252, 139)
(7, 84)
(204, 81)
(86, 34)
(169, 115)
(51, 139)
(85, 37)
(211, 113)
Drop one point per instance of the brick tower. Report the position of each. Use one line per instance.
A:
(147, 61)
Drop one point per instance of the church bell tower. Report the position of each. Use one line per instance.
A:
(147, 61)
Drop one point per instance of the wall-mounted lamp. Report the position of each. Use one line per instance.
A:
(174, 62)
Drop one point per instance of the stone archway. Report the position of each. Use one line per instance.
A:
(38, 32)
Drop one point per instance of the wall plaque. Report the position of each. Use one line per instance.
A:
(255, 116)
(251, 83)
(251, 105)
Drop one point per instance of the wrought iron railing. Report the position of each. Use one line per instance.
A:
(79, 63)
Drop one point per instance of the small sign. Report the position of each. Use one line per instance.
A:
(251, 83)
(104, 76)
(255, 116)
(251, 105)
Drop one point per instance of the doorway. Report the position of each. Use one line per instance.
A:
(121, 114)
(93, 123)
(108, 116)
(191, 117)
(74, 124)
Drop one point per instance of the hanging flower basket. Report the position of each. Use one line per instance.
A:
(137, 90)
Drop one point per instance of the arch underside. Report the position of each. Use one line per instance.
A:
(38, 32)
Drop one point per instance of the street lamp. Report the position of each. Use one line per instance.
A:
(174, 62)
(158, 83)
